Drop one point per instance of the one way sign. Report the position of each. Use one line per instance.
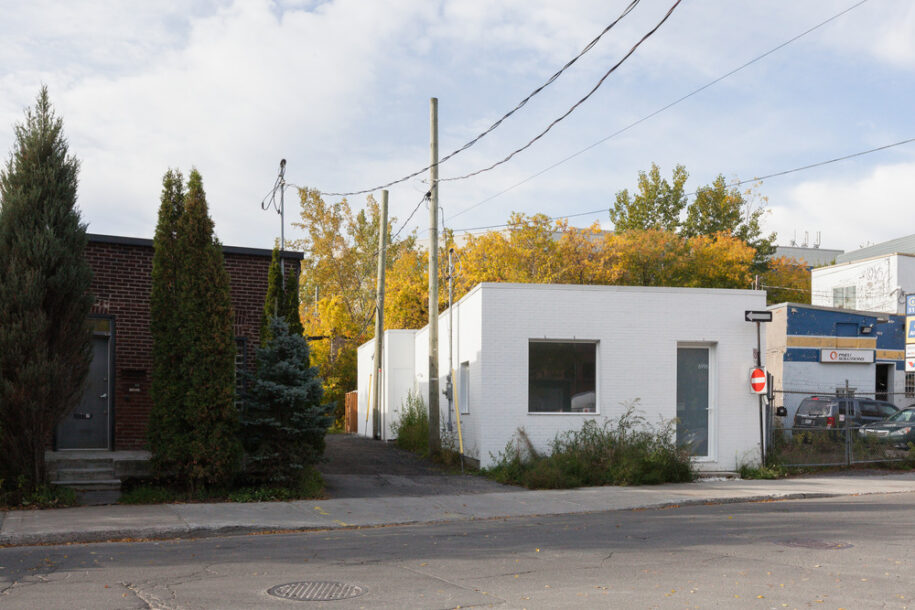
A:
(757, 316)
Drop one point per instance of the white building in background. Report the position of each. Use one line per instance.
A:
(875, 278)
(544, 358)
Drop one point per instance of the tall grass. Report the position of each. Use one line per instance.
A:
(412, 429)
(627, 451)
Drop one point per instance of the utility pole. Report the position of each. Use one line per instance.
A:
(379, 314)
(282, 220)
(435, 441)
(449, 387)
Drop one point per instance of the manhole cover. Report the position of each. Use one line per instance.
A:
(810, 543)
(311, 591)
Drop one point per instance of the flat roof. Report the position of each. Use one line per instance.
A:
(148, 243)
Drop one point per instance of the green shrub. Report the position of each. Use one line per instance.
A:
(627, 451)
(284, 423)
(150, 494)
(412, 429)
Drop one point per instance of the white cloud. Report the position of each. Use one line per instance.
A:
(849, 212)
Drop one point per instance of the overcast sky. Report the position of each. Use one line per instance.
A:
(341, 90)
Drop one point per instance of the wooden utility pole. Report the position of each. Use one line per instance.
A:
(435, 441)
(379, 314)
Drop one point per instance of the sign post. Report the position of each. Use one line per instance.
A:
(758, 317)
(910, 333)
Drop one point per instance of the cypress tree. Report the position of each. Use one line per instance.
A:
(282, 300)
(45, 337)
(166, 427)
(284, 422)
(210, 449)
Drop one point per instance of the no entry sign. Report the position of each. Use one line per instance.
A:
(758, 380)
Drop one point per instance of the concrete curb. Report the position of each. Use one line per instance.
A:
(187, 532)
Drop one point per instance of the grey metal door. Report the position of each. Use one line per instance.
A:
(86, 427)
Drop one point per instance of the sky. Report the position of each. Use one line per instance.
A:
(341, 89)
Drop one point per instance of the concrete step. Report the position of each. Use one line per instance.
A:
(90, 484)
(84, 474)
(79, 463)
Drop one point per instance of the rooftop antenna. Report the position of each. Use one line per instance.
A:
(806, 239)
(794, 239)
(269, 201)
(816, 244)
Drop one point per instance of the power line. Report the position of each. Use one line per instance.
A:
(570, 110)
(662, 109)
(517, 107)
(734, 184)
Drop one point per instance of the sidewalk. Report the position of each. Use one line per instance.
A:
(100, 523)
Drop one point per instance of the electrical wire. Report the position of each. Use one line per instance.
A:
(732, 185)
(570, 110)
(662, 109)
(517, 107)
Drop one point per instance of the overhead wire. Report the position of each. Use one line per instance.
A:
(662, 109)
(517, 107)
(570, 110)
(733, 184)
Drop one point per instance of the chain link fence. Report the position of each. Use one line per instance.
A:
(840, 426)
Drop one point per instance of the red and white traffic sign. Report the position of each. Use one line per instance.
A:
(758, 380)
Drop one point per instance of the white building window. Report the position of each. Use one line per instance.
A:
(464, 388)
(561, 377)
(844, 297)
(910, 385)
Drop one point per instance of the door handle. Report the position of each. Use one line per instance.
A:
(105, 395)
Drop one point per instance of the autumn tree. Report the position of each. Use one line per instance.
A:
(656, 205)
(45, 338)
(718, 209)
(338, 291)
(786, 280)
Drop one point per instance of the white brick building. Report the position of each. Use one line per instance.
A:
(547, 357)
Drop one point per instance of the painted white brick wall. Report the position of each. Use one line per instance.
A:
(638, 330)
(878, 283)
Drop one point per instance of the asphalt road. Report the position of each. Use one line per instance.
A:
(360, 467)
(853, 552)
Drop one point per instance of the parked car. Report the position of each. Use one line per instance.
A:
(840, 412)
(898, 429)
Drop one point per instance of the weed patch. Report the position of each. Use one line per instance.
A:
(627, 451)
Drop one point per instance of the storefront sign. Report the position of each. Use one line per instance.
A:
(909, 319)
(910, 358)
(856, 356)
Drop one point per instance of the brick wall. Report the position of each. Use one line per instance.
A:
(121, 283)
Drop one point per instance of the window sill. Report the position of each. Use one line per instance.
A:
(575, 413)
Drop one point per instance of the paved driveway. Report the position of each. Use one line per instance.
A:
(360, 467)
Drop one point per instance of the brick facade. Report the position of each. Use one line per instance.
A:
(122, 269)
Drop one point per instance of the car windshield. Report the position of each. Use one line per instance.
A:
(815, 407)
(905, 415)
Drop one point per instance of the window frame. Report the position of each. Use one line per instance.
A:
(595, 343)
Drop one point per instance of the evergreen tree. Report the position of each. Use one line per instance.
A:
(45, 338)
(293, 315)
(209, 450)
(282, 300)
(284, 422)
(166, 426)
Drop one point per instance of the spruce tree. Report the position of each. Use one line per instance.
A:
(166, 427)
(209, 449)
(45, 338)
(284, 422)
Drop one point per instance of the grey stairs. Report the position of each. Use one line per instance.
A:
(93, 478)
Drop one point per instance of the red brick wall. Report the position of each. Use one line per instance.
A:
(121, 285)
